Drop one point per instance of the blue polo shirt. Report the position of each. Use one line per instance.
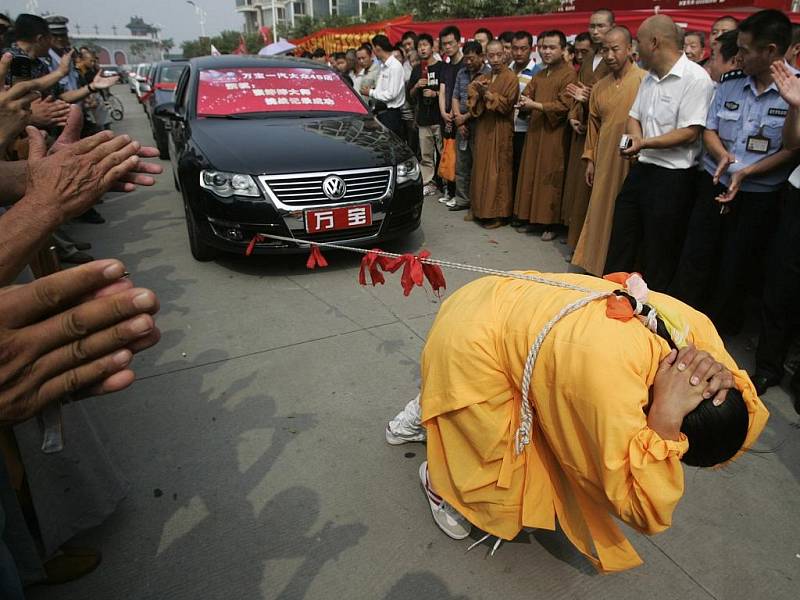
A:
(738, 112)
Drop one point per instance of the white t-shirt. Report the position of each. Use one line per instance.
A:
(680, 99)
(596, 60)
(391, 85)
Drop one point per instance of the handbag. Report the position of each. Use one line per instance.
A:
(447, 164)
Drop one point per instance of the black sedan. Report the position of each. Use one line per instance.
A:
(283, 146)
(164, 78)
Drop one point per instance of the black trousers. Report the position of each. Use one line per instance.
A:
(519, 144)
(779, 319)
(723, 256)
(392, 118)
(650, 219)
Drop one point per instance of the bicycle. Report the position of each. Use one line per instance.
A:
(114, 106)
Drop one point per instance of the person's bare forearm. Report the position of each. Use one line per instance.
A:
(633, 127)
(676, 137)
(713, 144)
(24, 229)
(75, 95)
(791, 129)
(13, 175)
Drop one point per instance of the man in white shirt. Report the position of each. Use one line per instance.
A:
(366, 70)
(665, 126)
(390, 89)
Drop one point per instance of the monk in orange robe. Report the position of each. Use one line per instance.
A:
(541, 176)
(613, 409)
(491, 99)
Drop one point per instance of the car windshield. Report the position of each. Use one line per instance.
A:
(244, 90)
(172, 73)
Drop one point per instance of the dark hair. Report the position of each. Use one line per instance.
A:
(319, 53)
(27, 27)
(715, 433)
(5, 18)
(570, 47)
(366, 47)
(769, 27)
(409, 34)
(698, 34)
(562, 39)
(583, 37)
(523, 35)
(507, 37)
(339, 56)
(306, 54)
(424, 37)
(608, 12)
(450, 30)
(382, 42)
(728, 44)
(399, 48)
(472, 47)
(483, 30)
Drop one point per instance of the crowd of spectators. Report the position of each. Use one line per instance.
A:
(64, 334)
(662, 152)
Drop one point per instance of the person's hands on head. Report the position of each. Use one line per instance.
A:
(73, 333)
(788, 85)
(49, 112)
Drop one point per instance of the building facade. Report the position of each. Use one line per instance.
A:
(266, 13)
(120, 49)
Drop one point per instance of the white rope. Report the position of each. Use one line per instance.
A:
(523, 435)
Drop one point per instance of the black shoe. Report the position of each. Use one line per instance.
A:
(82, 245)
(92, 216)
(763, 382)
(77, 258)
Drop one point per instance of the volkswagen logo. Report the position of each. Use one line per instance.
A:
(334, 187)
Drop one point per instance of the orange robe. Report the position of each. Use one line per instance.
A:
(608, 115)
(541, 174)
(576, 193)
(592, 456)
(491, 192)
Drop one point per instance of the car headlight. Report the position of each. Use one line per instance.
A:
(229, 184)
(408, 170)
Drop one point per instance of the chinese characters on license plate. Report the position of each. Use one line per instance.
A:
(334, 219)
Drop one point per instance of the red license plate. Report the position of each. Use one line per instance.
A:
(334, 219)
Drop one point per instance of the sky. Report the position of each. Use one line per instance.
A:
(176, 18)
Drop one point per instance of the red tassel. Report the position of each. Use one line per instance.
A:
(252, 245)
(434, 275)
(315, 259)
(412, 271)
(371, 261)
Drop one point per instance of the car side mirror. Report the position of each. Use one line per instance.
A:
(168, 111)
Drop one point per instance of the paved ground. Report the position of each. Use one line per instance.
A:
(253, 442)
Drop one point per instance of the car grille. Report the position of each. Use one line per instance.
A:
(305, 189)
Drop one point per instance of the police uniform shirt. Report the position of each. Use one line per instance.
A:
(743, 119)
(679, 99)
(70, 81)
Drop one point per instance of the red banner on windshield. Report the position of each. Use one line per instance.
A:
(272, 89)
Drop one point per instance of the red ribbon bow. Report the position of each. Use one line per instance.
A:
(315, 259)
(252, 245)
(371, 262)
(415, 272)
(434, 275)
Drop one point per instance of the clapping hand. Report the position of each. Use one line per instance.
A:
(788, 85)
(579, 91)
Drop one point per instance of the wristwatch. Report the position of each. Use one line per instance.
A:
(90, 88)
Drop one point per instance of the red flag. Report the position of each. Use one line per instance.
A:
(242, 49)
(371, 261)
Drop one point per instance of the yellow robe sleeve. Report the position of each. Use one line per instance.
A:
(592, 129)
(475, 102)
(599, 434)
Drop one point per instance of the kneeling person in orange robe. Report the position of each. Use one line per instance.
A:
(615, 410)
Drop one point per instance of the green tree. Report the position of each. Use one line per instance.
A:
(167, 44)
(226, 42)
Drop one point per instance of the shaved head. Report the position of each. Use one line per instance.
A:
(621, 32)
(494, 43)
(662, 28)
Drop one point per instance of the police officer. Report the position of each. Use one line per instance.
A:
(745, 166)
(59, 45)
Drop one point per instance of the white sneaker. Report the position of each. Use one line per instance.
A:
(430, 190)
(450, 203)
(445, 199)
(406, 427)
(446, 517)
